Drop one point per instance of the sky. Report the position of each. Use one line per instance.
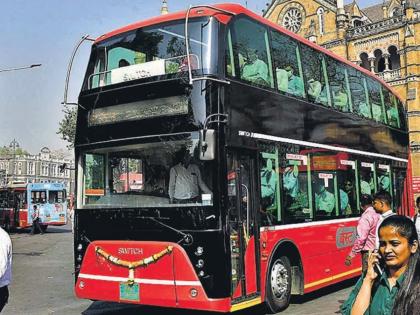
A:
(45, 32)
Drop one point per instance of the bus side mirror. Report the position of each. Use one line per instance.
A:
(207, 144)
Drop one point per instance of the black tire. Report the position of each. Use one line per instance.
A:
(278, 284)
(44, 228)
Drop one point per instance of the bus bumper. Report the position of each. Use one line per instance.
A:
(141, 272)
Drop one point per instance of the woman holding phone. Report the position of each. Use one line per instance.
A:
(391, 284)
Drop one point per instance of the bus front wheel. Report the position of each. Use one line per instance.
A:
(279, 283)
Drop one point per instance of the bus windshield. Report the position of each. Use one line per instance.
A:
(165, 173)
(156, 51)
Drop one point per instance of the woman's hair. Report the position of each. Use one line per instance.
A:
(407, 299)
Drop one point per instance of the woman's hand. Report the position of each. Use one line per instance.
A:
(373, 260)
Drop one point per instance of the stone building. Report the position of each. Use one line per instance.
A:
(41, 168)
(383, 38)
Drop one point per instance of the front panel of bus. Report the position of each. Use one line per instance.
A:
(137, 136)
(50, 200)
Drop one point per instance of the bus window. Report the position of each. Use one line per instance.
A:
(383, 177)
(287, 64)
(253, 54)
(391, 107)
(38, 196)
(367, 178)
(375, 100)
(325, 192)
(94, 179)
(56, 196)
(359, 93)
(154, 51)
(315, 74)
(270, 188)
(127, 174)
(347, 185)
(296, 190)
(338, 80)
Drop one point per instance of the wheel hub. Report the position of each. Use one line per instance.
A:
(279, 279)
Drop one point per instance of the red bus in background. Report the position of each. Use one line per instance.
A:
(279, 139)
(17, 202)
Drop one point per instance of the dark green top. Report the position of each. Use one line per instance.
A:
(382, 298)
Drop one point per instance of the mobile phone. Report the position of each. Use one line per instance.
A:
(378, 266)
(377, 269)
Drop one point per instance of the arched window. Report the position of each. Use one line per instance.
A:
(321, 20)
(379, 61)
(364, 58)
(394, 58)
(357, 22)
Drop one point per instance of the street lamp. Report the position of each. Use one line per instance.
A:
(14, 145)
(21, 68)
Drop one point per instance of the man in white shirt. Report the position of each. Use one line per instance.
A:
(382, 204)
(5, 267)
(185, 180)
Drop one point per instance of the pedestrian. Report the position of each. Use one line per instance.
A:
(35, 221)
(366, 232)
(416, 218)
(395, 289)
(5, 267)
(382, 205)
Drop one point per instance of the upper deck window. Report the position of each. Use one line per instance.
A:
(252, 52)
(154, 51)
(287, 64)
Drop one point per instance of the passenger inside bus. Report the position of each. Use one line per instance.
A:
(185, 180)
(268, 185)
(340, 98)
(295, 83)
(349, 190)
(314, 89)
(323, 96)
(254, 69)
(384, 182)
(324, 199)
(290, 180)
(288, 82)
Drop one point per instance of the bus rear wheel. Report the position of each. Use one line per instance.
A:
(279, 283)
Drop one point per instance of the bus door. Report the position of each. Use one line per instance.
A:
(243, 228)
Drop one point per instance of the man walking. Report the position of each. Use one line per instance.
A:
(366, 232)
(35, 221)
(382, 205)
(5, 267)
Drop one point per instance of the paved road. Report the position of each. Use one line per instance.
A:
(43, 284)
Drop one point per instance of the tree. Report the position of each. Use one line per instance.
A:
(67, 128)
(7, 151)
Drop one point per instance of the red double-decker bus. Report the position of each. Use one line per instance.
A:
(253, 147)
(17, 201)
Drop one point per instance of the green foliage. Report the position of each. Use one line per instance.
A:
(7, 151)
(67, 126)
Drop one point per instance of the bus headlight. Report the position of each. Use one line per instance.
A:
(200, 263)
(199, 251)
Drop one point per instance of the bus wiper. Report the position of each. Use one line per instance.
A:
(186, 237)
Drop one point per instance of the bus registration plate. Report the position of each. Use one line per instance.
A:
(129, 292)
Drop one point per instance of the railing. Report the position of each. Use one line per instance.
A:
(390, 75)
(373, 27)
